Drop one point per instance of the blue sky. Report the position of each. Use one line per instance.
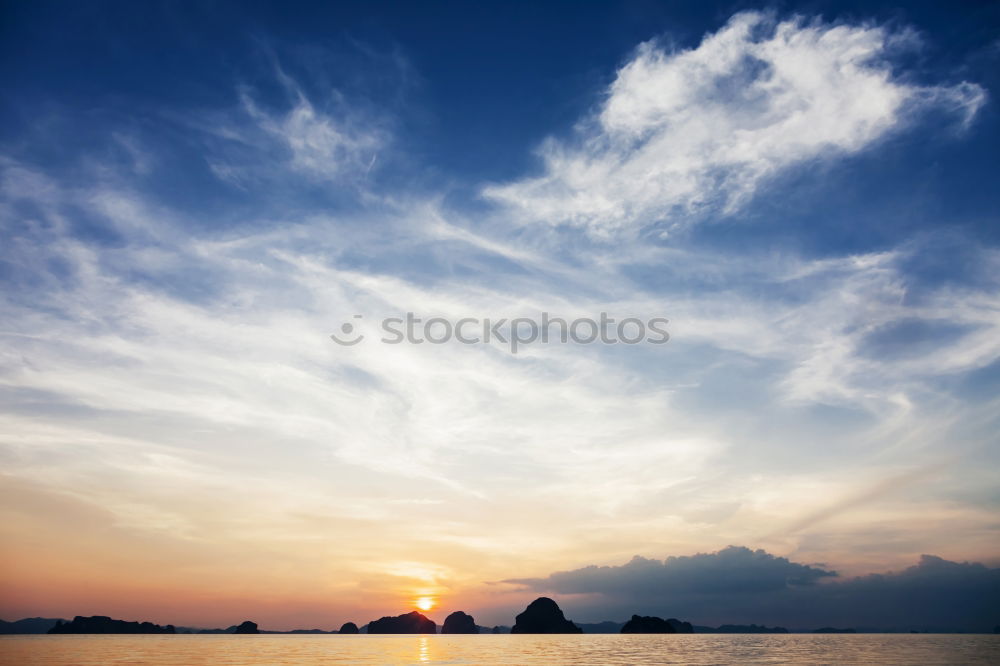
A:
(195, 195)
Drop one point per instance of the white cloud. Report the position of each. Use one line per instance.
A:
(322, 146)
(684, 134)
(328, 142)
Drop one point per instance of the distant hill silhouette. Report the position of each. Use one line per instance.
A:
(348, 628)
(833, 630)
(29, 625)
(543, 616)
(680, 626)
(247, 627)
(232, 630)
(459, 623)
(647, 624)
(741, 629)
(409, 623)
(606, 627)
(500, 629)
(101, 624)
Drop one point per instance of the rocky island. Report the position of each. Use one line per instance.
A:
(459, 623)
(247, 627)
(543, 616)
(647, 624)
(409, 623)
(101, 624)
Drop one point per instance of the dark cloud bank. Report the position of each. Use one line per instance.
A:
(741, 586)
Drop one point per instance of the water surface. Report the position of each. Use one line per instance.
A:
(189, 650)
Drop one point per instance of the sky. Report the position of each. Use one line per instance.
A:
(195, 196)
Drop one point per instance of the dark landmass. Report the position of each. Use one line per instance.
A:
(101, 624)
(647, 624)
(236, 629)
(232, 630)
(459, 623)
(741, 629)
(543, 616)
(247, 627)
(409, 623)
(680, 626)
(29, 625)
(606, 627)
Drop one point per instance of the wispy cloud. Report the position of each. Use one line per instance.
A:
(682, 135)
(320, 145)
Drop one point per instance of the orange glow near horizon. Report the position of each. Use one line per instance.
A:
(426, 603)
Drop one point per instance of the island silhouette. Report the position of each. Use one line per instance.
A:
(408, 623)
(247, 627)
(541, 616)
(459, 623)
(656, 625)
(101, 624)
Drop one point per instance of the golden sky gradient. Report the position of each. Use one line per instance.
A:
(182, 442)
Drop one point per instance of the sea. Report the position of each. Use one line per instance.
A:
(284, 649)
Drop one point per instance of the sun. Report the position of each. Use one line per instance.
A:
(425, 603)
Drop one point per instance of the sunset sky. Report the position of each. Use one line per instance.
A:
(195, 196)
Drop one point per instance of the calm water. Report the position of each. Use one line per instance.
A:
(504, 649)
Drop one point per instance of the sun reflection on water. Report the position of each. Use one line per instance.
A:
(423, 650)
